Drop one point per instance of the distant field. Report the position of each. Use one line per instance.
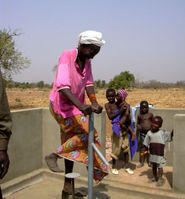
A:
(160, 98)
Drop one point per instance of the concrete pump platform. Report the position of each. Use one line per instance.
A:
(43, 184)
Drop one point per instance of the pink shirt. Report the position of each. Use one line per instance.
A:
(69, 75)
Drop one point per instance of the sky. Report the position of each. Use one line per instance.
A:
(144, 37)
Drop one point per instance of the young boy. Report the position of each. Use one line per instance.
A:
(144, 121)
(113, 114)
(125, 125)
(155, 140)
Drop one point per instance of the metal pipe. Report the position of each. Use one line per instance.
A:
(73, 188)
(90, 155)
(100, 154)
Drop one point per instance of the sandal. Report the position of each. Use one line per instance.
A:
(129, 171)
(114, 171)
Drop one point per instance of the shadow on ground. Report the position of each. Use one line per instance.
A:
(169, 177)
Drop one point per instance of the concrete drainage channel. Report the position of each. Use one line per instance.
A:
(43, 184)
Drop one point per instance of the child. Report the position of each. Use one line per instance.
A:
(144, 121)
(114, 114)
(155, 139)
(125, 125)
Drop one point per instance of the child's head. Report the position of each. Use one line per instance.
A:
(121, 95)
(157, 122)
(144, 107)
(111, 95)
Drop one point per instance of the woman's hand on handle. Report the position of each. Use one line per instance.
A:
(96, 108)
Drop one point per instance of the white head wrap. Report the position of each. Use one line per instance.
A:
(91, 37)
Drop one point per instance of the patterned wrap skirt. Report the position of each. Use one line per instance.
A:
(74, 142)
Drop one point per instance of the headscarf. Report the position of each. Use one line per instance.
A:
(123, 93)
(91, 37)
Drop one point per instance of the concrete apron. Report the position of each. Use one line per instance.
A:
(43, 184)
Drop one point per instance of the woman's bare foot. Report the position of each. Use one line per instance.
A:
(51, 161)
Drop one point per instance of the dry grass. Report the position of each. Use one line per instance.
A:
(28, 98)
(160, 98)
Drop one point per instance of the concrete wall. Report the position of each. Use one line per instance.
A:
(50, 133)
(179, 153)
(168, 124)
(100, 123)
(25, 149)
